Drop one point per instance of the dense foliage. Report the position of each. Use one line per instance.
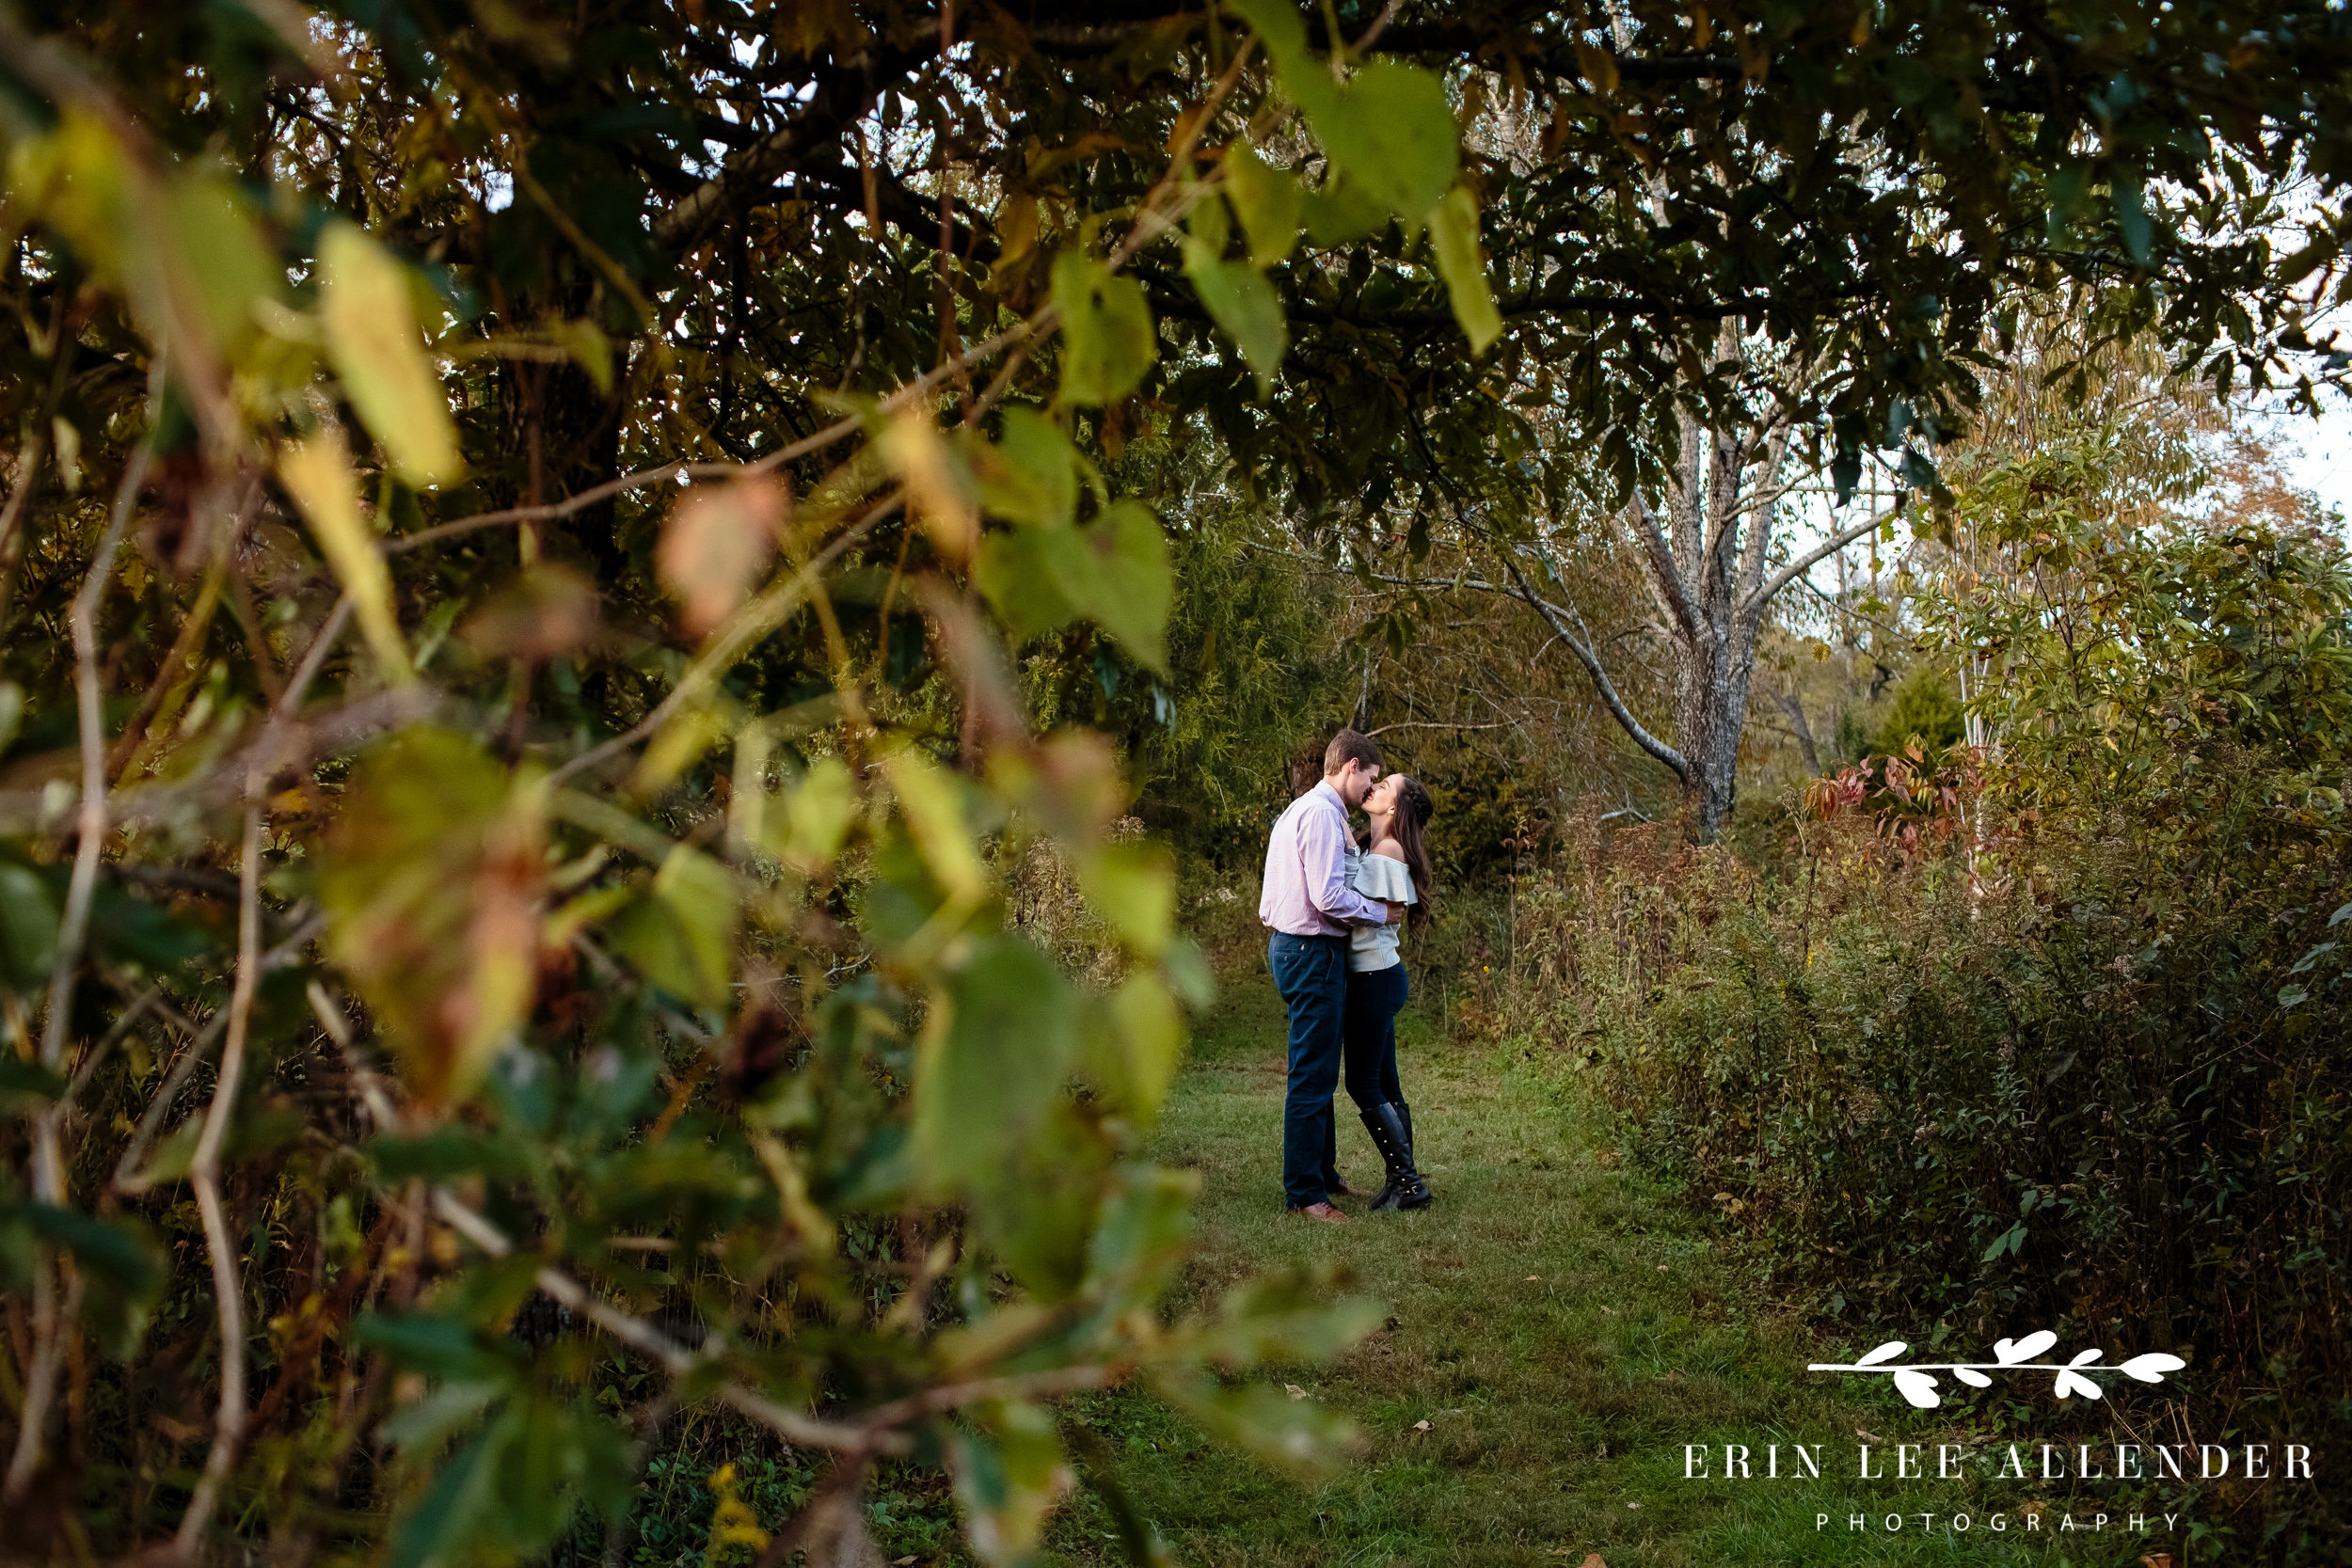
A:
(421, 1041)
(2053, 1039)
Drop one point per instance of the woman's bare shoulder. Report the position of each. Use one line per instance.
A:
(1389, 849)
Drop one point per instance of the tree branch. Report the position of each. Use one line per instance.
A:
(837, 101)
(1552, 616)
(1556, 618)
(204, 1177)
(674, 1358)
(1673, 591)
(49, 1178)
(1814, 556)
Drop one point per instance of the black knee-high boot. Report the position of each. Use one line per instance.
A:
(1392, 1129)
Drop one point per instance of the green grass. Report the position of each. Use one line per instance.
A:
(1564, 1327)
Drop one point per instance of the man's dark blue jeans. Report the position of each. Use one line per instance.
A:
(1312, 975)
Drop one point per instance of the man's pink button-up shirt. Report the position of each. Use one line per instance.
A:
(1306, 890)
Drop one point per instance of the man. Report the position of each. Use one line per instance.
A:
(1309, 906)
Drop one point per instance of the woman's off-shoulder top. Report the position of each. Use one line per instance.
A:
(1370, 947)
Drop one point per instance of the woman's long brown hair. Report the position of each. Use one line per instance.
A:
(1413, 810)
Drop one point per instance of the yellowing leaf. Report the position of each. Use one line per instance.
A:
(590, 349)
(1150, 1039)
(817, 817)
(717, 544)
(1108, 341)
(379, 353)
(1268, 200)
(1454, 235)
(939, 486)
(548, 608)
(431, 879)
(317, 473)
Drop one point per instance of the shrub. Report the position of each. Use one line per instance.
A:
(2077, 1064)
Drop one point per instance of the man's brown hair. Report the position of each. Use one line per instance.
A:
(1349, 746)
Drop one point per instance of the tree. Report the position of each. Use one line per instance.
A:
(1815, 268)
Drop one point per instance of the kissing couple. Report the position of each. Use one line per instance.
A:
(1334, 904)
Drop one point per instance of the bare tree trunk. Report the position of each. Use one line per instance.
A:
(1707, 562)
(1791, 704)
(558, 433)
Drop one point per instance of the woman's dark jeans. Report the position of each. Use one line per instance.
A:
(1375, 997)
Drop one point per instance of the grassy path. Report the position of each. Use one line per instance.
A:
(1561, 1326)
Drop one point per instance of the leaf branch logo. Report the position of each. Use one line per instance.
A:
(1913, 1379)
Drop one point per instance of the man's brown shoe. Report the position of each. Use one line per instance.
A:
(1323, 1212)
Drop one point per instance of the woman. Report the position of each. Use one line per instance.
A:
(1395, 870)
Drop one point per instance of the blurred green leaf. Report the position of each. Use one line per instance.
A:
(1241, 301)
(511, 1491)
(1109, 341)
(928, 796)
(1034, 1211)
(28, 928)
(1297, 1437)
(125, 928)
(1015, 571)
(122, 1269)
(1141, 1234)
(442, 1153)
(1134, 887)
(1029, 474)
(1269, 201)
(19, 1077)
(437, 1344)
(1390, 131)
(233, 271)
(1341, 212)
(2130, 215)
(1148, 1033)
(1284, 1316)
(1007, 1477)
(1453, 236)
(995, 1051)
(1115, 572)
(447, 1410)
(1279, 28)
(818, 814)
(681, 934)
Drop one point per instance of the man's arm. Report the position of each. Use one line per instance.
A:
(1323, 844)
